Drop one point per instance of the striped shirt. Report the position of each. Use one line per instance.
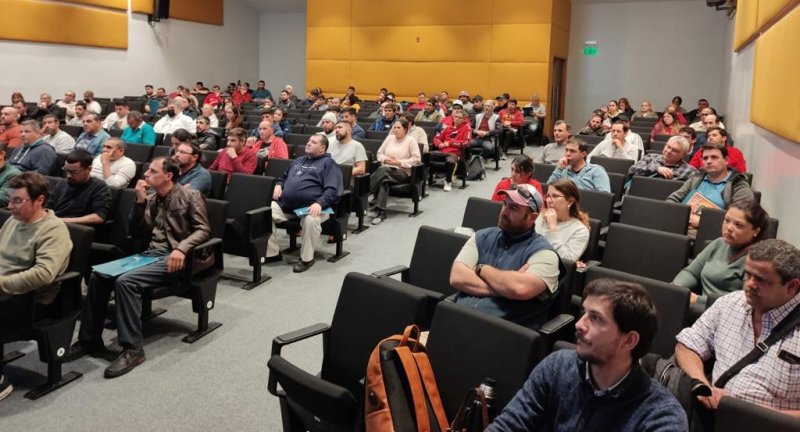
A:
(725, 331)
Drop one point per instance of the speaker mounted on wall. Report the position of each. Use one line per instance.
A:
(160, 11)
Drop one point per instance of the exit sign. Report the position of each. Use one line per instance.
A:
(590, 48)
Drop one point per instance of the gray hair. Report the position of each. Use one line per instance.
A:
(135, 115)
(34, 125)
(783, 256)
(683, 142)
(122, 145)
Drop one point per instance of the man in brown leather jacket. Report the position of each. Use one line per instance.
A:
(174, 221)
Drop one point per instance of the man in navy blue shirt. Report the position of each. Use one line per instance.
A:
(313, 185)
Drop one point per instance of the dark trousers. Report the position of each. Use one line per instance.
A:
(382, 179)
(486, 146)
(128, 289)
(14, 313)
(450, 160)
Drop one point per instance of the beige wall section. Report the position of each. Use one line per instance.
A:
(418, 45)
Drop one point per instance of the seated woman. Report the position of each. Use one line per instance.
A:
(719, 268)
(625, 107)
(646, 111)
(234, 116)
(612, 114)
(280, 118)
(562, 222)
(398, 153)
(665, 126)
(521, 172)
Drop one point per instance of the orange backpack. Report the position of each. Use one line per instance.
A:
(401, 392)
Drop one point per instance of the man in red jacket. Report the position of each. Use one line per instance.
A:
(235, 158)
(512, 119)
(449, 143)
(716, 135)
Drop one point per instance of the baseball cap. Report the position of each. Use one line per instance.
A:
(458, 102)
(331, 117)
(525, 195)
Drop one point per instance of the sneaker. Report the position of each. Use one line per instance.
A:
(129, 359)
(379, 217)
(503, 156)
(448, 186)
(5, 387)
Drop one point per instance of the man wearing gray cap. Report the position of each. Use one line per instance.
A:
(509, 270)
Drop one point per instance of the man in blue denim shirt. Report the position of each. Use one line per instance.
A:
(93, 136)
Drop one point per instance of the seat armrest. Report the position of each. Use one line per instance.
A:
(589, 264)
(361, 185)
(64, 277)
(555, 324)
(258, 222)
(417, 173)
(212, 246)
(108, 250)
(344, 205)
(391, 271)
(304, 333)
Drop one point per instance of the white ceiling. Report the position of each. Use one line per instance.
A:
(276, 6)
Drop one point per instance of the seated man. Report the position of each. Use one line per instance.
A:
(738, 322)
(191, 173)
(207, 138)
(7, 172)
(34, 154)
(68, 103)
(112, 166)
(175, 119)
(429, 113)
(716, 135)
(328, 123)
(419, 104)
(449, 143)
(93, 136)
(616, 144)
(701, 124)
(716, 187)
(82, 199)
(80, 111)
(416, 132)
(235, 158)
(385, 122)
(9, 128)
(173, 221)
(61, 141)
(594, 127)
(261, 92)
(313, 181)
(34, 249)
(599, 385)
(157, 104)
(573, 166)
(512, 119)
(118, 120)
(667, 165)
(487, 127)
(350, 115)
(45, 107)
(138, 132)
(91, 104)
(554, 151)
(347, 151)
(269, 145)
(509, 270)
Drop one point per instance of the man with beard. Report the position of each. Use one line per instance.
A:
(328, 124)
(599, 385)
(82, 199)
(175, 119)
(345, 150)
(509, 270)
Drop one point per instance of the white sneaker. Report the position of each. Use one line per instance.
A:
(5, 387)
(447, 186)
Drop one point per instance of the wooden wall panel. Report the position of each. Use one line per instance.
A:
(111, 4)
(142, 6)
(202, 11)
(421, 43)
(35, 21)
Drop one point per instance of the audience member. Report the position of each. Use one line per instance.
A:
(416, 132)
(285, 102)
(742, 320)
(313, 182)
(599, 385)
(157, 104)
(80, 111)
(207, 138)
(397, 155)
(172, 221)
(573, 166)
(241, 95)
(7, 172)
(34, 154)
(235, 158)
(61, 141)
(625, 107)
(613, 114)
(487, 129)
(208, 112)
(261, 92)
(669, 164)
(387, 120)
(512, 119)
(562, 222)
(715, 135)
(191, 173)
(616, 144)
(666, 125)
(429, 113)
(646, 111)
(93, 136)
(697, 112)
(535, 110)
(464, 98)
(213, 99)
(347, 151)
(9, 128)
(45, 106)
(449, 143)
(175, 119)
(22, 109)
(91, 104)
(700, 125)
(118, 120)
(350, 115)
(82, 199)
(112, 166)
(269, 145)
(594, 126)
(284, 124)
(419, 104)
(521, 173)
(138, 132)
(554, 152)
(509, 271)
(68, 103)
(328, 122)
(234, 117)
(34, 249)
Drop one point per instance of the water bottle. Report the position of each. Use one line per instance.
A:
(487, 386)
(475, 420)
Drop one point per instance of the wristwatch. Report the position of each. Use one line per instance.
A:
(478, 269)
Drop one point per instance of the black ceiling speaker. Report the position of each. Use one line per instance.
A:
(160, 10)
(715, 3)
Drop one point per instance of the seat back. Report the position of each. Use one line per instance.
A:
(653, 187)
(590, 139)
(671, 301)
(738, 415)
(139, 152)
(613, 165)
(598, 205)
(218, 181)
(658, 215)
(592, 251)
(246, 192)
(465, 346)
(433, 256)
(217, 214)
(542, 172)
(616, 182)
(161, 151)
(631, 249)
(79, 260)
(368, 311)
(481, 213)
(710, 228)
(208, 158)
(276, 167)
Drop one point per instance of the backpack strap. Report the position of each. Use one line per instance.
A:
(431, 389)
(789, 323)
(421, 390)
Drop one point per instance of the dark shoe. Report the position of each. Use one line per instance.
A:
(332, 239)
(273, 259)
(82, 348)
(5, 387)
(129, 359)
(302, 266)
(379, 217)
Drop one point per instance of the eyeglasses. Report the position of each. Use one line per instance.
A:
(554, 197)
(69, 171)
(527, 196)
(17, 201)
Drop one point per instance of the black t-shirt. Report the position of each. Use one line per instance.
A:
(82, 200)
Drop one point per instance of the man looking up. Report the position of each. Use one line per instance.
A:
(573, 166)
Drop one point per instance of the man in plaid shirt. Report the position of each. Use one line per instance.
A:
(732, 326)
(669, 164)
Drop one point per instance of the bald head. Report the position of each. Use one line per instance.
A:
(9, 116)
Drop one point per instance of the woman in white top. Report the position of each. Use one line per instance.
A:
(562, 222)
(398, 153)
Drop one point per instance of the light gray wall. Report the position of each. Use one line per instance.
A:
(282, 51)
(647, 50)
(174, 52)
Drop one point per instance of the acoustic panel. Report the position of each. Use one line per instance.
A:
(421, 43)
(111, 4)
(329, 13)
(420, 13)
(520, 43)
(523, 11)
(142, 6)
(201, 11)
(771, 10)
(745, 27)
(408, 78)
(49, 22)
(328, 43)
(775, 101)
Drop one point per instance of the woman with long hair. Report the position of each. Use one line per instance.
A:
(645, 111)
(625, 107)
(234, 116)
(666, 125)
(562, 222)
(719, 268)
